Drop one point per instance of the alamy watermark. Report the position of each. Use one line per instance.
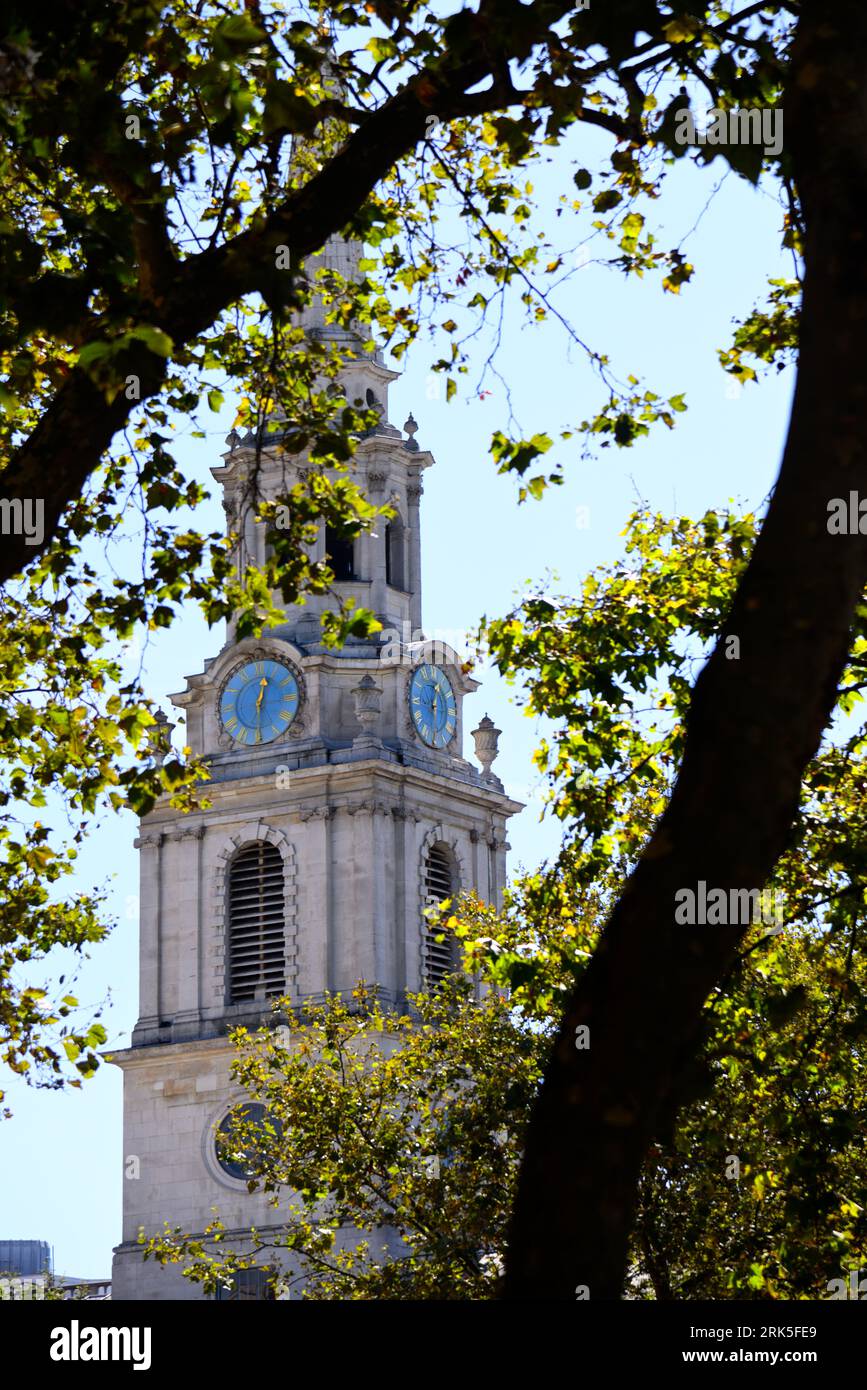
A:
(23, 517)
(714, 907)
(77, 1343)
(17, 1288)
(847, 516)
(740, 126)
(852, 1287)
(408, 646)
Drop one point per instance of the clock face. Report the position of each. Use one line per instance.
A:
(432, 706)
(259, 701)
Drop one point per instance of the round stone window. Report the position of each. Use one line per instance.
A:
(237, 1153)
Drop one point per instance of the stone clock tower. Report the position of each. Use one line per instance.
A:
(341, 805)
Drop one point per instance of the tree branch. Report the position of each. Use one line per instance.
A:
(79, 425)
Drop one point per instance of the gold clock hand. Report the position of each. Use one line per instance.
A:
(262, 684)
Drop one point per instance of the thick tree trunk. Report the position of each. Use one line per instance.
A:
(753, 727)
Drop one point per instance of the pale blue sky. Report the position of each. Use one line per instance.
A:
(60, 1156)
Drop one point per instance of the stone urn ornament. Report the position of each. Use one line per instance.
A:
(159, 738)
(368, 704)
(486, 738)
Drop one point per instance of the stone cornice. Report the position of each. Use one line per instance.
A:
(168, 1053)
(307, 784)
(188, 832)
(318, 813)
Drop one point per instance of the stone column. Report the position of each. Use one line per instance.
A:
(478, 886)
(345, 904)
(499, 848)
(188, 963)
(355, 870)
(382, 898)
(413, 498)
(376, 480)
(402, 897)
(150, 912)
(415, 832)
(316, 907)
(251, 556)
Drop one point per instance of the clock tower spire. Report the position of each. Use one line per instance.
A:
(341, 806)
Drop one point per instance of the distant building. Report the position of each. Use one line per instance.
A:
(90, 1290)
(25, 1257)
(27, 1271)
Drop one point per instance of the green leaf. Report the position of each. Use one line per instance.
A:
(153, 338)
(608, 199)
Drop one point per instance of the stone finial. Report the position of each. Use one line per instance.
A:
(410, 427)
(368, 703)
(486, 738)
(233, 439)
(159, 738)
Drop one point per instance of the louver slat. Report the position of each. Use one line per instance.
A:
(256, 924)
(439, 956)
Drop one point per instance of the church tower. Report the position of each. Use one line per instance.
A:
(341, 805)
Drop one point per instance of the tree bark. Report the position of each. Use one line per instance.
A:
(754, 724)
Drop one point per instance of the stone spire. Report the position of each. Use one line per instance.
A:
(338, 253)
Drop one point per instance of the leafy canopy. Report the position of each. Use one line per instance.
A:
(168, 173)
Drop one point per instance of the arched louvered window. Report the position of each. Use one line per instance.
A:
(256, 924)
(440, 956)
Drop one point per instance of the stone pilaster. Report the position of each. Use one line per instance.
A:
(150, 904)
(413, 500)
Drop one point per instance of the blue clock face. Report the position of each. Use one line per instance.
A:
(432, 706)
(259, 702)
